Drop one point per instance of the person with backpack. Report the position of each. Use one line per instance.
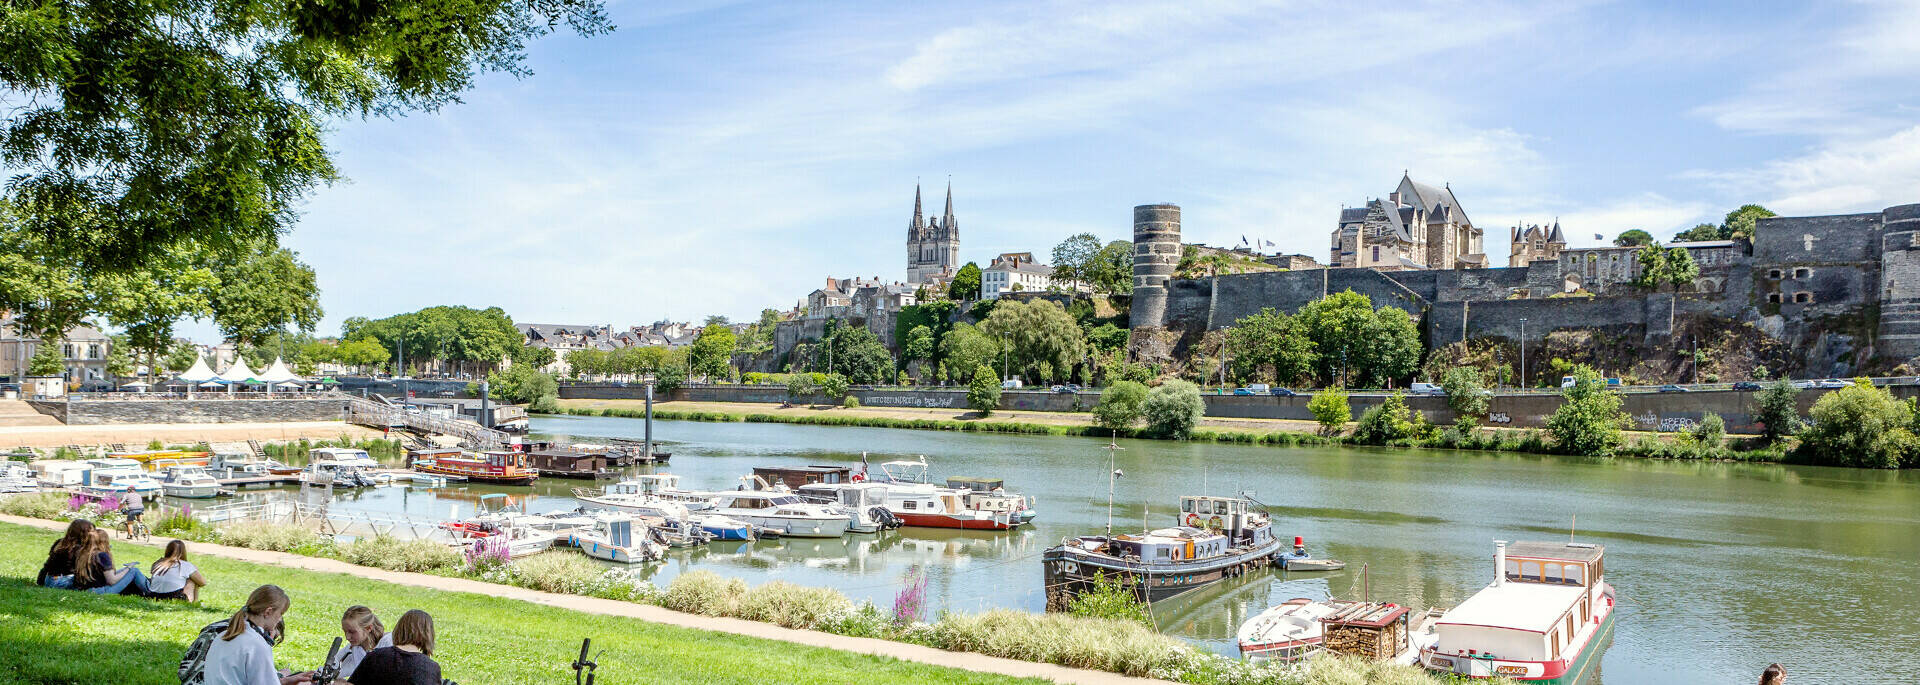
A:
(239, 650)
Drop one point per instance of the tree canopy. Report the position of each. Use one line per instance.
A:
(1665, 266)
(966, 283)
(441, 333)
(1112, 270)
(1740, 222)
(966, 348)
(1074, 259)
(1043, 340)
(712, 353)
(1633, 237)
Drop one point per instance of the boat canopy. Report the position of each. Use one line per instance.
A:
(976, 484)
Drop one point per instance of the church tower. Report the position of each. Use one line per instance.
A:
(933, 246)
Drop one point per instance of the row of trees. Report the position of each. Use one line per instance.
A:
(473, 340)
(1335, 340)
(1038, 341)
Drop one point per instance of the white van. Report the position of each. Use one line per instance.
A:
(1010, 384)
(1426, 389)
(1259, 388)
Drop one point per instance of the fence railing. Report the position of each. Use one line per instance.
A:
(325, 520)
(210, 395)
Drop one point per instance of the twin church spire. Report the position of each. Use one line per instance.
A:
(933, 246)
(946, 220)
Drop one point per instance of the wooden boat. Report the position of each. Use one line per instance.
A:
(1544, 619)
(1165, 562)
(497, 467)
(569, 463)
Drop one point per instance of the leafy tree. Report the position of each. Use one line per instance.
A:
(180, 357)
(1074, 258)
(1589, 420)
(119, 358)
(716, 320)
(1632, 237)
(1270, 346)
(1860, 425)
(1779, 412)
(853, 351)
(263, 292)
(464, 336)
(1739, 223)
(1392, 346)
(967, 347)
(966, 283)
(920, 345)
(589, 362)
(46, 360)
(799, 386)
(1391, 420)
(1174, 409)
(712, 352)
(1710, 433)
(143, 125)
(1698, 233)
(1662, 267)
(533, 355)
(1466, 394)
(1330, 408)
(1107, 338)
(1037, 332)
(1338, 325)
(1111, 271)
(757, 339)
(521, 384)
(983, 392)
(835, 386)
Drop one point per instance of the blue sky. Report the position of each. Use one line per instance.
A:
(720, 158)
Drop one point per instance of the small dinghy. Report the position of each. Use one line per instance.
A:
(1300, 560)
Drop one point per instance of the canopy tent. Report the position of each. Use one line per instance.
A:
(279, 374)
(198, 373)
(138, 385)
(239, 373)
(213, 384)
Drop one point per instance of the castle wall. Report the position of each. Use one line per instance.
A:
(1899, 326)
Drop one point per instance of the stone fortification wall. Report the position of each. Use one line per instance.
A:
(1899, 326)
(944, 398)
(93, 412)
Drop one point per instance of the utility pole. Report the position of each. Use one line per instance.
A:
(1113, 472)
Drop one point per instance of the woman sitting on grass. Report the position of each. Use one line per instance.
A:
(408, 661)
(364, 634)
(173, 577)
(57, 572)
(241, 653)
(93, 569)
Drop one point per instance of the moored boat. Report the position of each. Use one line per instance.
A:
(619, 539)
(780, 513)
(1165, 562)
(865, 504)
(1544, 619)
(111, 477)
(572, 463)
(657, 495)
(188, 481)
(921, 504)
(1299, 560)
(1288, 631)
(496, 467)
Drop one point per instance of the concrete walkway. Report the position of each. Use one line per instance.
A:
(133, 434)
(19, 413)
(645, 612)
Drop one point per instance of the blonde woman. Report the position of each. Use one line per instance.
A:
(364, 633)
(93, 569)
(173, 577)
(409, 661)
(242, 652)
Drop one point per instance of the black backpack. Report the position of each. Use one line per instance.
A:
(193, 665)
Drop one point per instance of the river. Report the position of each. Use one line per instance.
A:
(1722, 568)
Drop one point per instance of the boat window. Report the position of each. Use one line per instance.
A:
(1165, 553)
(789, 499)
(1530, 569)
(1513, 568)
(908, 504)
(1552, 573)
(1575, 575)
(1569, 626)
(1553, 642)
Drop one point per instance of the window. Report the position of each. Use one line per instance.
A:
(910, 504)
(1802, 273)
(1186, 506)
(1376, 253)
(1530, 569)
(93, 351)
(1773, 298)
(1773, 274)
(1803, 298)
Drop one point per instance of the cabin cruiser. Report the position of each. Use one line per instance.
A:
(520, 541)
(990, 495)
(1544, 618)
(345, 455)
(865, 504)
(233, 465)
(619, 539)
(16, 477)
(782, 512)
(919, 503)
(112, 476)
(327, 472)
(1230, 538)
(188, 481)
(650, 496)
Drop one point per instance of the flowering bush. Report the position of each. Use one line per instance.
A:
(910, 602)
(487, 554)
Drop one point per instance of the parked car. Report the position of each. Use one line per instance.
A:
(1803, 385)
(1010, 384)
(1748, 386)
(1075, 387)
(1426, 389)
(1259, 388)
(444, 393)
(1674, 388)
(1831, 384)
(1282, 392)
(1063, 389)
(1243, 391)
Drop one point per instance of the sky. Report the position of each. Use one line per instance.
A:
(720, 158)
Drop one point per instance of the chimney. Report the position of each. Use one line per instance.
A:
(1499, 562)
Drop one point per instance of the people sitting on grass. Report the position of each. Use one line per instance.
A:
(133, 506)
(239, 650)
(57, 572)
(173, 577)
(408, 662)
(364, 633)
(93, 569)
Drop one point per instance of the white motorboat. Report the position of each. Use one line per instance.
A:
(917, 502)
(865, 504)
(189, 481)
(521, 541)
(1289, 631)
(111, 477)
(235, 465)
(15, 477)
(349, 473)
(781, 512)
(658, 495)
(619, 539)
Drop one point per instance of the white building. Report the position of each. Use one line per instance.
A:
(1014, 272)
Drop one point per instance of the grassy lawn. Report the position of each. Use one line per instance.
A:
(62, 636)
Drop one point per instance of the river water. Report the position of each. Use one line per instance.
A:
(1722, 568)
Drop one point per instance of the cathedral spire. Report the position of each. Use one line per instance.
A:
(917, 221)
(946, 221)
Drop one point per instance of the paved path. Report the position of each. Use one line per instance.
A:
(645, 612)
(174, 433)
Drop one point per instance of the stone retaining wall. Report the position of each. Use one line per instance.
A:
(96, 412)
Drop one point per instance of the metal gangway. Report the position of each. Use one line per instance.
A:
(385, 415)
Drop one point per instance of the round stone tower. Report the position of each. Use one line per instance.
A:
(1156, 252)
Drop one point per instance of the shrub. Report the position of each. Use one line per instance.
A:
(1106, 644)
(835, 387)
(487, 554)
(180, 523)
(40, 505)
(983, 392)
(1589, 419)
(704, 592)
(799, 386)
(417, 556)
(1330, 408)
(793, 606)
(1120, 406)
(272, 537)
(1860, 425)
(1110, 598)
(1173, 409)
(1466, 394)
(1779, 412)
(850, 402)
(557, 571)
(865, 620)
(1390, 421)
(1710, 433)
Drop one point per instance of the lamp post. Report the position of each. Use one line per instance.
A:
(1113, 473)
(1523, 353)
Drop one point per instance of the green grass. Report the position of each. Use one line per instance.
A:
(62, 636)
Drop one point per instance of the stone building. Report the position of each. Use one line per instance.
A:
(83, 352)
(933, 246)
(1536, 242)
(1014, 272)
(1416, 227)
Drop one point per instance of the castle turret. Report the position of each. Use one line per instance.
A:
(1156, 253)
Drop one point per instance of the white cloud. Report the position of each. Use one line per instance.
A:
(1850, 176)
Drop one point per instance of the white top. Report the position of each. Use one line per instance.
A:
(244, 660)
(173, 577)
(1532, 607)
(351, 656)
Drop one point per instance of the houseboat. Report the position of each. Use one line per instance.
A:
(1223, 537)
(494, 466)
(1544, 619)
(796, 477)
(921, 504)
(188, 481)
(567, 463)
(780, 512)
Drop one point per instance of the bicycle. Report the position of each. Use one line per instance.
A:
(138, 529)
(582, 667)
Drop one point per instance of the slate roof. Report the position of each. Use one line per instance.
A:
(1352, 215)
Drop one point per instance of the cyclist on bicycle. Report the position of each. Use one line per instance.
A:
(133, 506)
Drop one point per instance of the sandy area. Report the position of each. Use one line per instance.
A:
(176, 433)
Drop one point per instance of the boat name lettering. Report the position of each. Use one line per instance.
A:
(1511, 670)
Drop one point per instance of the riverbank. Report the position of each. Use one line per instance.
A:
(45, 436)
(1278, 432)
